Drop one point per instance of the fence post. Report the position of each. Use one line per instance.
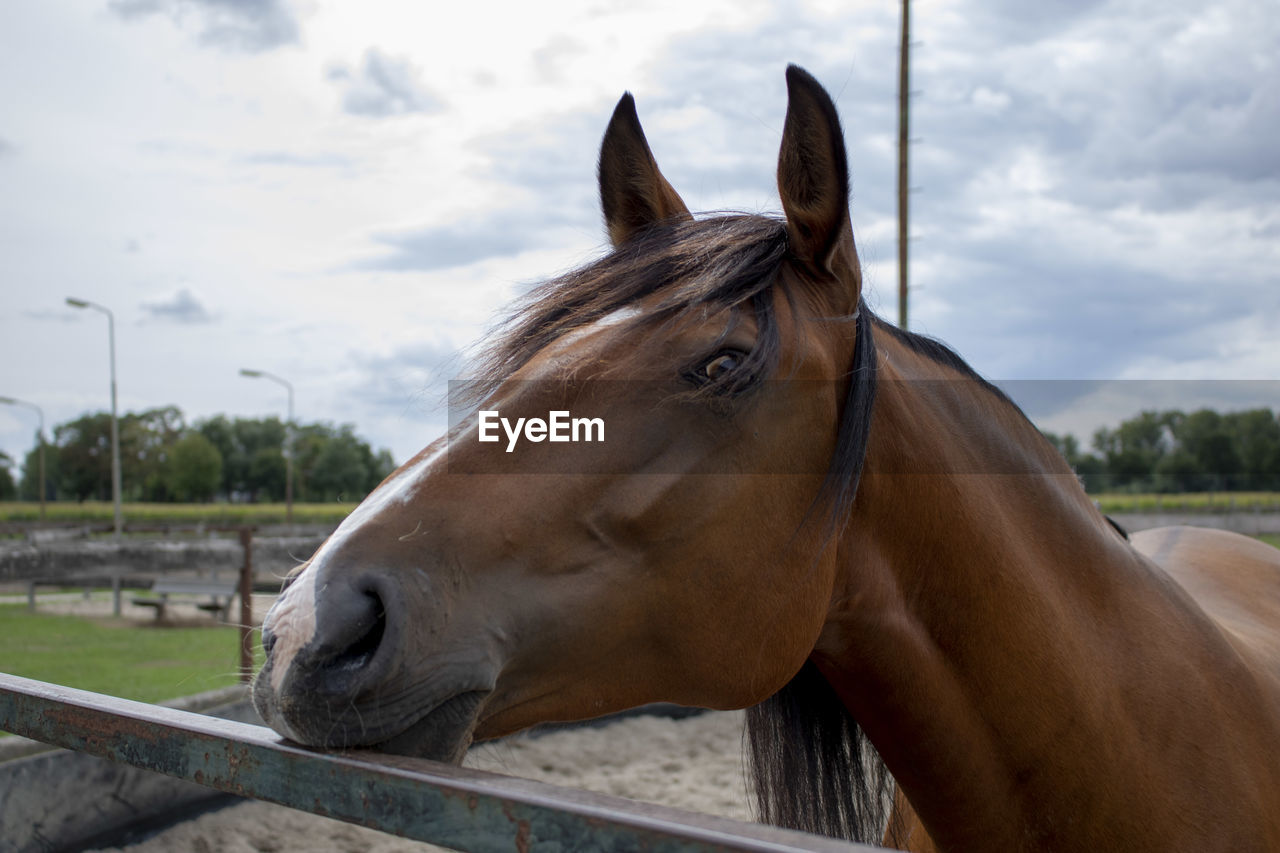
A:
(246, 605)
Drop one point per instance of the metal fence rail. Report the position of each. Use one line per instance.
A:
(416, 799)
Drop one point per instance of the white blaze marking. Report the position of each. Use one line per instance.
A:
(293, 622)
(613, 318)
(292, 619)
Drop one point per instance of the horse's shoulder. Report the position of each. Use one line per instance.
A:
(1234, 578)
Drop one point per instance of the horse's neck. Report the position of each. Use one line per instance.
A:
(982, 631)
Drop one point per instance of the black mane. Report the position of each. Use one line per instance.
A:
(814, 768)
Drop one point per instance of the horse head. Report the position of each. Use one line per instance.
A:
(490, 585)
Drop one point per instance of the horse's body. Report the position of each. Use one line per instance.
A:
(1031, 679)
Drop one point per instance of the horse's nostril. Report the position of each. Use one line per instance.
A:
(365, 637)
(345, 653)
(268, 641)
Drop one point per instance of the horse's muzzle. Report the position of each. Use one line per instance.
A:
(325, 657)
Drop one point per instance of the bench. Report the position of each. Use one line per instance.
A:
(220, 594)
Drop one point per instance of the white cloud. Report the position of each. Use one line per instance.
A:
(237, 25)
(181, 306)
(383, 86)
(1098, 182)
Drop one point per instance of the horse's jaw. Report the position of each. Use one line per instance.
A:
(444, 734)
(442, 731)
(371, 666)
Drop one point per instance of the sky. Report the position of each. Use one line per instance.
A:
(348, 194)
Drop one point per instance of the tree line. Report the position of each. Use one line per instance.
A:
(1176, 451)
(164, 459)
(242, 459)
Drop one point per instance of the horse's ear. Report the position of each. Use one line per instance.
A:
(813, 181)
(633, 192)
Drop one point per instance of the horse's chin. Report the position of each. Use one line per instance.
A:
(444, 734)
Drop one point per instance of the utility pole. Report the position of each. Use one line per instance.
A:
(288, 437)
(115, 427)
(904, 142)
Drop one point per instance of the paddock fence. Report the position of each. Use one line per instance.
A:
(454, 807)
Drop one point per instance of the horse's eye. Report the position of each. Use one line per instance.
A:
(721, 364)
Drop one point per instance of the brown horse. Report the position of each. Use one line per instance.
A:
(799, 509)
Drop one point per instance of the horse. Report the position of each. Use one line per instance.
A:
(801, 510)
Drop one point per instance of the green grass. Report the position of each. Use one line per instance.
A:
(100, 512)
(1271, 539)
(149, 664)
(1190, 502)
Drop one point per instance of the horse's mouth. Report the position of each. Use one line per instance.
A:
(442, 734)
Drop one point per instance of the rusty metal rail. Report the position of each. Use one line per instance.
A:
(423, 800)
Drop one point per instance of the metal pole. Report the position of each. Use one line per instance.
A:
(115, 428)
(44, 488)
(904, 97)
(288, 462)
(115, 435)
(246, 606)
(458, 808)
(39, 444)
(288, 437)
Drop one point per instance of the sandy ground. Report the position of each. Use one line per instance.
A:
(694, 764)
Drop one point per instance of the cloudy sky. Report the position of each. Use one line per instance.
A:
(347, 194)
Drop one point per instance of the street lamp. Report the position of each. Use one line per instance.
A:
(115, 428)
(39, 438)
(288, 438)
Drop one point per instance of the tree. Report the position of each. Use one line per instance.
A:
(146, 441)
(194, 468)
(1089, 468)
(1132, 450)
(1203, 437)
(84, 457)
(1180, 471)
(1256, 434)
(238, 460)
(29, 485)
(334, 464)
(83, 451)
(265, 480)
(253, 465)
(8, 489)
(1067, 445)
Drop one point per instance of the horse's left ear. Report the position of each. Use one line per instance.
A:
(633, 192)
(813, 181)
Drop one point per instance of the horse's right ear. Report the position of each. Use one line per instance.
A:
(633, 193)
(813, 181)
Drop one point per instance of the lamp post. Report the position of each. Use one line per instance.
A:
(288, 438)
(39, 439)
(115, 428)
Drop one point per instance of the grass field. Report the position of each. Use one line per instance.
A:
(1190, 502)
(148, 663)
(100, 512)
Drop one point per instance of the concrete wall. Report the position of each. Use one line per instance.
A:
(1245, 521)
(66, 558)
